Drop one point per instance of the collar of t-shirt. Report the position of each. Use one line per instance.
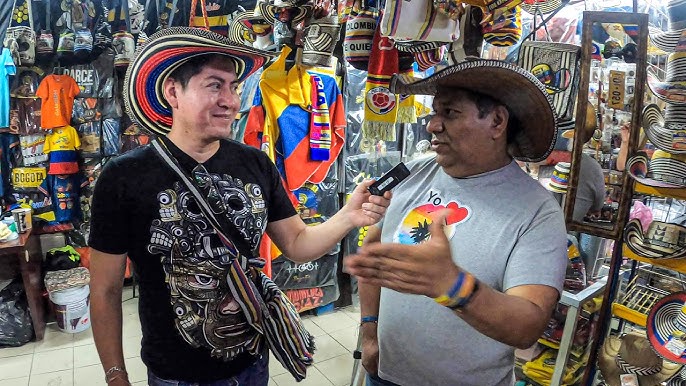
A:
(187, 162)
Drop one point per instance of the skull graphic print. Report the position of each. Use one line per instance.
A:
(196, 262)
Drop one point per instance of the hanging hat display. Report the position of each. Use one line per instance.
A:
(542, 6)
(251, 30)
(666, 327)
(321, 37)
(668, 40)
(417, 20)
(359, 35)
(666, 134)
(285, 11)
(673, 88)
(661, 240)
(664, 170)
(426, 54)
(632, 354)
(559, 182)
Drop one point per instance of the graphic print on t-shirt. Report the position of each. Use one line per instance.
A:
(414, 229)
(196, 262)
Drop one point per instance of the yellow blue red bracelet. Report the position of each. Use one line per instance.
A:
(460, 293)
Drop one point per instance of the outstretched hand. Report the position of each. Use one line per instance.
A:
(422, 269)
(364, 209)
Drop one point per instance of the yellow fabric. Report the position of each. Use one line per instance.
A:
(62, 138)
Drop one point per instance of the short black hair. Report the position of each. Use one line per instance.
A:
(195, 65)
(485, 104)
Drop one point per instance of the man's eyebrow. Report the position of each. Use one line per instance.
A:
(217, 78)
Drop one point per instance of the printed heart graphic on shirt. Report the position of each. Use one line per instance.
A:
(414, 228)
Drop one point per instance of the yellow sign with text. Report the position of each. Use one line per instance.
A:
(28, 178)
(617, 89)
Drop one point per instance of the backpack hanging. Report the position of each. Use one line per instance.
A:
(21, 38)
(122, 40)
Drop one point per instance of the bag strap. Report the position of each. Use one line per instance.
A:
(203, 8)
(238, 243)
(127, 17)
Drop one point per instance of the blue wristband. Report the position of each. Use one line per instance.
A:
(457, 286)
(369, 319)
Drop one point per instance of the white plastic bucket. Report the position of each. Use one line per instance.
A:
(72, 309)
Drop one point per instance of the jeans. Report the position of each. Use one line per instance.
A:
(373, 380)
(255, 375)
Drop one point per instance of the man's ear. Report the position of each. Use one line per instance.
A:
(170, 88)
(500, 117)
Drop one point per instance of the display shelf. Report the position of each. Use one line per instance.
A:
(678, 265)
(629, 315)
(679, 193)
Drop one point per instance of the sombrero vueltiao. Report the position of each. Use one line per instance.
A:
(165, 51)
(271, 12)
(632, 354)
(559, 182)
(661, 241)
(673, 89)
(251, 30)
(663, 132)
(664, 170)
(516, 88)
(544, 6)
(666, 327)
(668, 40)
(591, 124)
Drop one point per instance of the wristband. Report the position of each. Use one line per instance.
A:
(459, 306)
(460, 293)
(369, 319)
(114, 369)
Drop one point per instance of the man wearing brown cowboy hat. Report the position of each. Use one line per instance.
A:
(472, 251)
(190, 211)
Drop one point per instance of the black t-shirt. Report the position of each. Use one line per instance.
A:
(188, 316)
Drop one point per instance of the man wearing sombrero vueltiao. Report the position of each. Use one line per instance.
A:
(469, 261)
(190, 211)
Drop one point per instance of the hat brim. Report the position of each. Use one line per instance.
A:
(661, 325)
(611, 372)
(638, 168)
(240, 25)
(162, 54)
(664, 40)
(269, 11)
(516, 88)
(670, 92)
(545, 7)
(634, 236)
(658, 133)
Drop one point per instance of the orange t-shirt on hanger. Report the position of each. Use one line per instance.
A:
(57, 94)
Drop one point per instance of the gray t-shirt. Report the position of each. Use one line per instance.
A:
(507, 231)
(590, 191)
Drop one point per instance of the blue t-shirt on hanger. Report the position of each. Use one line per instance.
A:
(64, 192)
(7, 69)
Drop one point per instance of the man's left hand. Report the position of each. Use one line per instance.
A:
(364, 209)
(424, 269)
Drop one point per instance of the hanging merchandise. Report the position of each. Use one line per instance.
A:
(85, 110)
(64, 191)
(252, 30)
(103, 31)
(57, 93)
(20, 37)
(122, 40)
(26, 82)
(418, 20)
(302, 114)
(61, 146)
(32, 149)
(666, 131)
(425, 54)
(556, 65)
(7, 69)
(90, 136)
(471, 37)
(381, 105)
(668, 40)
(666, 326)
(217, 14)
(28, 116)
(111, 128)
(506, 30)
(65, 45)
(663, 170)
(28, 178)
(660, 240)
(83, 43)
(287, 17)
(541, 6)
(321, 37)
(672, 89)
(359, 36)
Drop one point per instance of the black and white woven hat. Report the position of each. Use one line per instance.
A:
(660, 241)
(665, 131)
(663, 170)
(507, 83)
(543, 6)
(673, 89)
(668, 40)
(632, 354)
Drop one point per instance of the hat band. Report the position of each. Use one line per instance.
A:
(631, 369)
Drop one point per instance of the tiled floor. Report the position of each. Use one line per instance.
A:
(72, 360)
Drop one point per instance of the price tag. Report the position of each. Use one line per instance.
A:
(617, 89)
(676, 346)
(679, 139)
